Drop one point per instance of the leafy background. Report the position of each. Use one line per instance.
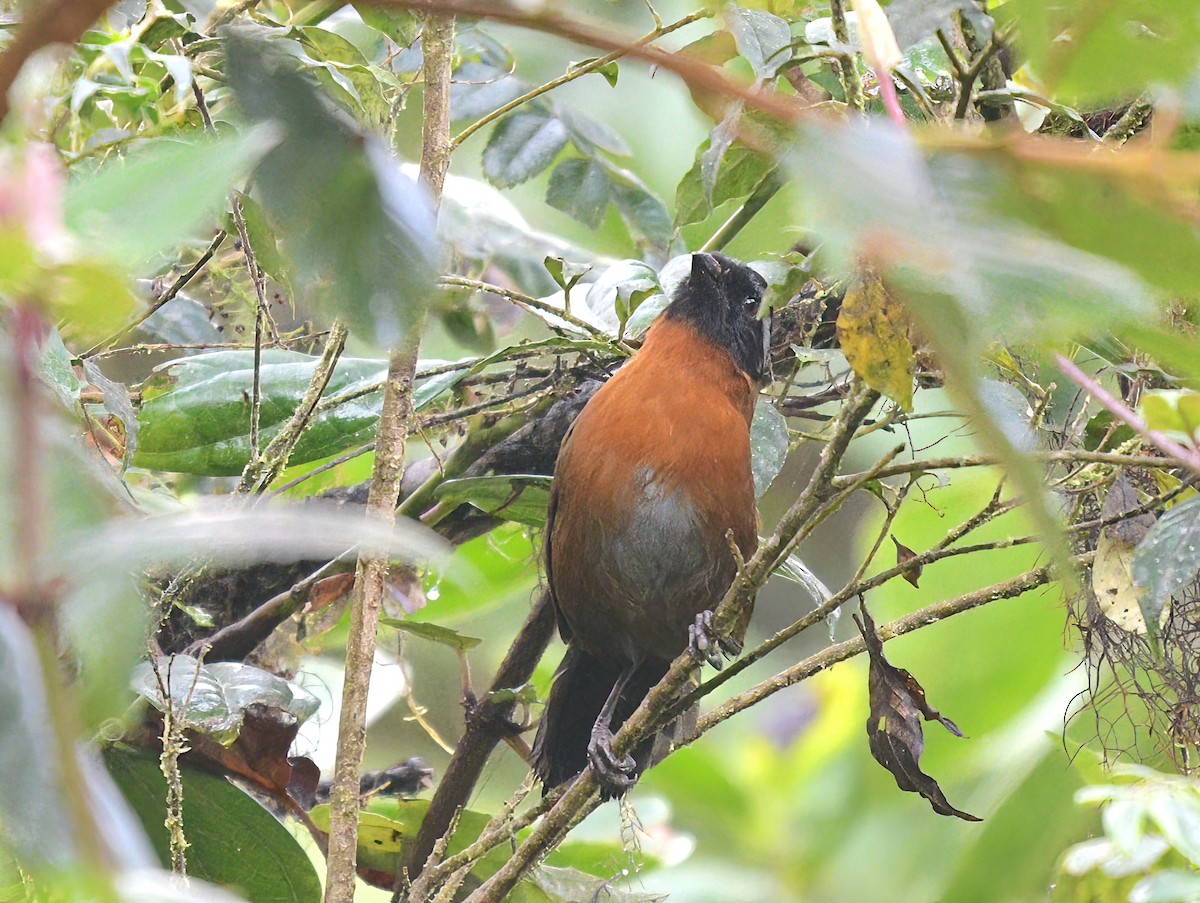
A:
(623, 170)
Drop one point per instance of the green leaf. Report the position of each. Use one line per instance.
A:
(521, 497)
(564, 273)
(388, 827)
(56, 371)
(1167, 560)
(522, 145)
(233, 841)
(580, 188)
(131, 209)
(761, 38)
(1172, 411)
(741, 169)
(435, 632)
(609, 70)
(643, 211)
(1088, 52)
(359, 233)
(768, 445)
(92, 298)
(195, 416)
(213, 698)
(400, 26)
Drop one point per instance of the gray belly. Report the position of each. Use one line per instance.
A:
(656, 572)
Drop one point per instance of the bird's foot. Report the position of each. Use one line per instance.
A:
(707, 645)
(614, 776)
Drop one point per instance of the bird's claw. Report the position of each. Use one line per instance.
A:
(613, 775)
(707, 645)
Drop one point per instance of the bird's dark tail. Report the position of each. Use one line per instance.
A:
(581, 687)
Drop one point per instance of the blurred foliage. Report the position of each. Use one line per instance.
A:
(188, 176)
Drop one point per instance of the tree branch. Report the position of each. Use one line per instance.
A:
(371, 576)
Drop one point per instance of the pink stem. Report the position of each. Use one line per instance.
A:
(1187, 458)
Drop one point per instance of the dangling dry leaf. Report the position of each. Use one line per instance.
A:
(872, 328)
(894, 728)
(903, 556)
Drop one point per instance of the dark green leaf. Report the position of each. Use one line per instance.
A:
(435, 632)
(643, 212)
(130, 210)
(359, 233)
(761, 38)
(233, 841)
(590, 134)
(521, 498)
(195, 417)
(522, 145)
(741, 169)
(581, 189)
(401, 26)
(1168, 559)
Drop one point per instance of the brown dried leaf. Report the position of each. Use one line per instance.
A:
(326, 592)
(903, 556)
(894, 727)
(872, 328)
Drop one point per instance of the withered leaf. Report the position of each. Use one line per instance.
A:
(329, 590)
(872, 327)
(903, 556)
(894, 728)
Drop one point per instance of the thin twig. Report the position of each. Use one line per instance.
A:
(574, 73)
(1189, 458)
(261, 470)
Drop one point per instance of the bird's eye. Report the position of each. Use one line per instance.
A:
(752, 302)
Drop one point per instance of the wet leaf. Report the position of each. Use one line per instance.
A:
(768, 445)
(873, 329)
(522, 145)
(435, 632)
(213, 698)
(196, 413)
(1167, 560)
(894, 727)
(581, 189)
(904, 555)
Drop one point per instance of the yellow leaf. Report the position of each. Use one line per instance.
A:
(873, 330)
(1112, 582)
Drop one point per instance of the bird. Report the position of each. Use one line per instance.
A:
(651, 485)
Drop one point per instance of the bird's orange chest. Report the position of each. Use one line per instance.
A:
(653, 475)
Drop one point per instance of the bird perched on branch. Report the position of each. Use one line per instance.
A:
(652, 483)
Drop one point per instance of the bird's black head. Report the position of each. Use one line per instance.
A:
(720, 299)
